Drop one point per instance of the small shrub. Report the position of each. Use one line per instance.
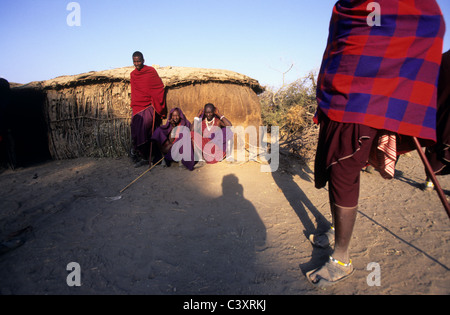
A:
(292, 109)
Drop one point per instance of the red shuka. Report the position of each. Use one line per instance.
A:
(147, 89)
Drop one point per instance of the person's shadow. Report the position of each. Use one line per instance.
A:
(231, 234)
(303, 207)
(242, 214)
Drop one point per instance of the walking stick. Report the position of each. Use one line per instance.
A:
(141, 175)
(114, 198)
(431, 174)
(151, 142)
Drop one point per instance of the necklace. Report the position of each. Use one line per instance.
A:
(210, 124)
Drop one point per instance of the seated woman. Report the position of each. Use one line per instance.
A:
(210, 134)
(167, 135)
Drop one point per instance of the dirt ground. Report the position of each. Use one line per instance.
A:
(222, 229)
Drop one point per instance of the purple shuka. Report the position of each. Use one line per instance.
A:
(162, 134)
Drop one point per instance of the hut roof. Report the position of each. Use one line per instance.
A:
(171, 76)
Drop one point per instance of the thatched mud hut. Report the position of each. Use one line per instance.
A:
(89, 114)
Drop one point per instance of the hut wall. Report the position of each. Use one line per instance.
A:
(94, 119)
(89, 120)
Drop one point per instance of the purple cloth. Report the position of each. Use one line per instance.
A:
(162, 133)
(142, 127)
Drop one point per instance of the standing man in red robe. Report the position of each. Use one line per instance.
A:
(377, 84)
(149, 108)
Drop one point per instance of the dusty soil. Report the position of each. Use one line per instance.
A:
(222, 229)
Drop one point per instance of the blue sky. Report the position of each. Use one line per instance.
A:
(258, 38)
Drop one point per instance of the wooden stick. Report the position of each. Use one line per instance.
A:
(431, 174)
(151, 142)
(141, 175)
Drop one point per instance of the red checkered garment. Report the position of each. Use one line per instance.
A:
(383, 76)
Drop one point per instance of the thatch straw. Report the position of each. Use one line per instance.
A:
(171, 76)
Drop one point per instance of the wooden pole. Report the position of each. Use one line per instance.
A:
(431, 174)
(141, 176)
(151, 142)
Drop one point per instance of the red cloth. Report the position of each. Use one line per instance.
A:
(383, 76)
(147, 89)
(212, 148)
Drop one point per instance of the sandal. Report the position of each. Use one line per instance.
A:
(324, 240)
(336, 270)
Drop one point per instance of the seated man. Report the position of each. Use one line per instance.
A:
(167, 135)
(210, 134)
(149, 107)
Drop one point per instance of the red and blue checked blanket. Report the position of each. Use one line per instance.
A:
(383, 76)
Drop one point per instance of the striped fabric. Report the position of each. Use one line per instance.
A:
(383, 76)
(384, 154)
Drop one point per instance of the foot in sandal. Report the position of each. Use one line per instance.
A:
(332, 272)
(323, 240)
